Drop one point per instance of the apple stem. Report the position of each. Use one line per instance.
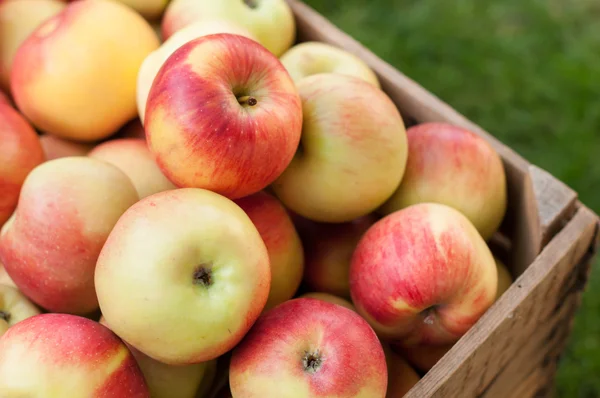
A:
(5, 315)
(202, 276)
(312, 361)
(247, 100)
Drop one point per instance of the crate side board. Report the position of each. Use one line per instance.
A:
(525, 330)
(529, 219)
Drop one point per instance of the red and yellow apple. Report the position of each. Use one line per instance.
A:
(312, 57)
(329, 298)
(60, 355)
(328, 254)
(132, 157)
(157, 58)
(18, 19)
(167, 381)
(219, 107)
(50, 245)
(277, 231)
(270, 21)
(96, 87)
(56, 148)
(423, 275)
(309, 348)
(453, 166)
(183, 275)
(14, 307)
(20, 152)
(352, 153)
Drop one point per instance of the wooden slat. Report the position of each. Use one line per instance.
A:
(513, 322)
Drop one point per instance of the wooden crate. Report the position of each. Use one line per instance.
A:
(548, 239)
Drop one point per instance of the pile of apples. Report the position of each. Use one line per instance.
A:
(194, 204)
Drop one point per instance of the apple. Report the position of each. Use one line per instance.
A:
(401, 376)
(270, 21)
(352, 154)
(61, 355)
(306, 348)
(4, 278)
(157, 58)
(18, 19)
(150, 9)
(21, 152)
(96, 86)
(504, 278)
(50, 246)
(219, 107)
(277, 231)
(422, 356)
(56, 148)
(131, 156)
(14, 307)
(311, 58)
(329, 252)
(167, 381)
(423, 275)
(183, 275)
(329, 298)
(456, 167)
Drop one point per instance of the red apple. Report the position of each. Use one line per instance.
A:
(423, 275)
(283, 244)
(309, 348)
(219, 107)
(20, 152)
(329, 250)
(183, 276)
(132, 157)
(56, 148)
(60, 355)
(50, 246)
(456, 167)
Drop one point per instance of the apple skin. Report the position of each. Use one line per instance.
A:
(167, 381)
(272, 359)
(453, 166)
(96, 86)
(329, 251)
(311, 58)
(157, 58)
(50, 246)
(183, 275)
(401, 376)
(149, 9)
(132, 157)
(199, 133)
(329, 298)
(277, 231)
(18, 19)
(423, 275)
(56, 148)
(352, 154)
(40, 353)
(14, 307)
(272, 22)
(21, 152)
(505, 279)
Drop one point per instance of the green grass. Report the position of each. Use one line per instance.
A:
(526, 70)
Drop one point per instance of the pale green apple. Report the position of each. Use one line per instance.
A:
(352, 154)
(310, 58)
(150, 9)
(14, 307)
(270, 21)
(183, 276)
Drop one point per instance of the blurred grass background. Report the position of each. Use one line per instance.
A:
(528, 71)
